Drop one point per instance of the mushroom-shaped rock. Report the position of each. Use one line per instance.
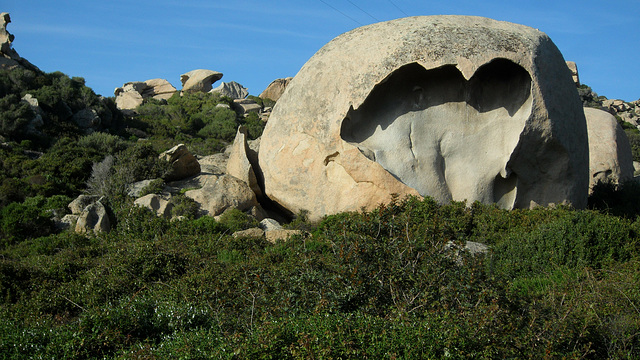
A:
(452, 107)
(199, 80)
(610, 158)
(275, 89)
(239, 164)
(183, 163)
(232, 90)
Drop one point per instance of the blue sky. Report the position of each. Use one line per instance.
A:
(254, 42)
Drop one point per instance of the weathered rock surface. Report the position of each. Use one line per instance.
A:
(183, 163)
(245, 106)
(93, 218)
(81, 202)
(249, 233)
(156, 204)
(573, 67)
(158, 89)
(132, 94)
(8, 55)
(281, 234)
(231, 89)
(221, 193)
(610, 158)
(275, 89)
(269, 224)
(239, 164)
(199, 80)
(452, 107)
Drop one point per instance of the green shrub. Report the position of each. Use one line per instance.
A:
(23, 221)
(236, 220)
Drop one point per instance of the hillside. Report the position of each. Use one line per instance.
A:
(409, 279)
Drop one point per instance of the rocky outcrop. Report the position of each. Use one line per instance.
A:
(132, 94)
(199, 80)
(610, 158)
(573, 67)
(275, 89)
(232, 90)
(183, 163)
(8, 56)
(239, 164)
(453, 107)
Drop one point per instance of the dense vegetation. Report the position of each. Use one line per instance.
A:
(395, 282)
(557, 283)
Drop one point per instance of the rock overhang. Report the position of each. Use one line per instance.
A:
(510, 69)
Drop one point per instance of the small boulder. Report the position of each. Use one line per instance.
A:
(269, 224)
(156, 204)
(282, 234)
(94, 218)
(183, 163)
(223, 193)
(249, 233)
(199, 80)
(81, 202)
(245, 106)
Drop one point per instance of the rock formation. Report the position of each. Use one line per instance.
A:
(221, 193)
(239, 164)
(232, 90)
(574, 72)
(8, 56)
(610, 157)
(89, 215)
(183, 163)
(454, 107)
(156, 204)
(199, 80)
(132, 94)
(275, 89)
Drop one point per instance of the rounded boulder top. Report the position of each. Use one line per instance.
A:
(452, 107)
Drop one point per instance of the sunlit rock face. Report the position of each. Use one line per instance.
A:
(452, 107)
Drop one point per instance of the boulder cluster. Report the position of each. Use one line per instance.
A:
(457, 108)
(132, 94)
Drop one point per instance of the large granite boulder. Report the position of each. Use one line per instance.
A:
(199, 80)
(275, 89)
(610, 158)
(452, 107)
